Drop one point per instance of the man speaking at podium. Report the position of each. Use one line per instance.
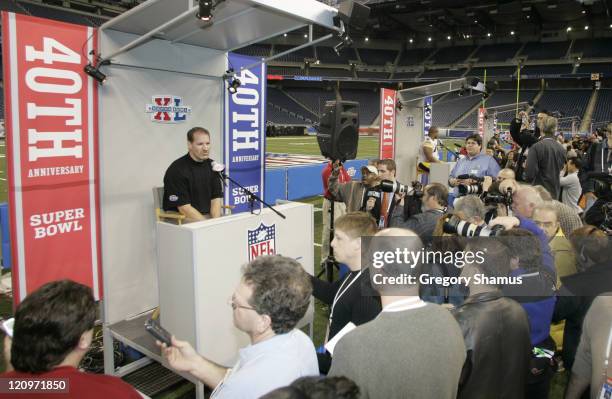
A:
(191, 187)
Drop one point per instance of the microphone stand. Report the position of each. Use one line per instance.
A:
(456, 154)
(252, 196)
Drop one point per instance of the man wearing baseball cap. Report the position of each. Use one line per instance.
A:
(353, 193)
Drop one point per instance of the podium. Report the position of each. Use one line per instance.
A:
(439, 172)
(199, 266)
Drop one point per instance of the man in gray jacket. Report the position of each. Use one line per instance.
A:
(412, 349)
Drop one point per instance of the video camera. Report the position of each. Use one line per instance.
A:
(466, 189)
(388, 186)
(454, 225)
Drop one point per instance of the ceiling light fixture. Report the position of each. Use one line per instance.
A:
(205, 10)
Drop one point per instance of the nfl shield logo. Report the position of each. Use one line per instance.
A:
(261, 241)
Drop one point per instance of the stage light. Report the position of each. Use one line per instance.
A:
(367, 39)
(205, 10)
(584, 11)
(569, 29)
(448, 37)
(413, 40)
(95, 73)
(305, 36)
(345, 41)
(512, 32)
(232, 83)
(429, 39)
(586, 27)
(284, 35)
(489, 34)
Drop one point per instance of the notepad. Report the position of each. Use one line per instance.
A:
(331, 344)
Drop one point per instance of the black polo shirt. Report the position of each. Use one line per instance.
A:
(189, 182)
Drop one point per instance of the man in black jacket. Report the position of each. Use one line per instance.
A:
(524, 137)
(546, 159)
(345, 297)
(495, 330)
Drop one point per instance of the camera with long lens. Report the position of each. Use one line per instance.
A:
(454, 225)
(388, 186)
(496, 198)
(467, 189)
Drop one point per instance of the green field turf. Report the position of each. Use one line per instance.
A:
(367, 147)
(307, 145)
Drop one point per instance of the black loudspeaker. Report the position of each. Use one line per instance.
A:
(338, 132)
(354, 14)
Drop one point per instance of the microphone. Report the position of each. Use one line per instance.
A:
(218, 168)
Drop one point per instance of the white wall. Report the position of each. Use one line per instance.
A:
(135, 152)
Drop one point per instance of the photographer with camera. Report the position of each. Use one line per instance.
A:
(469, 170)
(597, 187)
(434, 205)
(352, 193)
(524, 136)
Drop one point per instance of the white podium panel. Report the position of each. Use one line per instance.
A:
(439, 172)
(199, 266)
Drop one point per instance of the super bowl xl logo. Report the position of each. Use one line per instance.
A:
(261, 241)
(167, 109)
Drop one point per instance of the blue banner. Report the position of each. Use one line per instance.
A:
(245, 132)
(427, 114)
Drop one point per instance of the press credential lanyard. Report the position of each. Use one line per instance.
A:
(340, 293)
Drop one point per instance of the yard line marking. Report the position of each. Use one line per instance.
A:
(317, 244)
(2, 178)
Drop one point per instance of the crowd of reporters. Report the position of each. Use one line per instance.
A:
(436, 340)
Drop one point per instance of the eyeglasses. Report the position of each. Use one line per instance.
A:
(235, 306)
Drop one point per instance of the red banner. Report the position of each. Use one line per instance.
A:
(52, 135)
(481, 121)
(387, 124)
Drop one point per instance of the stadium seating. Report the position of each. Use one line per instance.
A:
(369, 103)
(377, 57)
(12, 6)
(373, 75)
(452, 55)
(451, 107)
(414, 56)
(296, 56)
(405, 75)
(290, 71)
(328, 55)
(313, 99)
(53, 13)
(566, 102)
(280, 99)
(593, 48)
(497, 52)
(275, 115)
(502, 101)
(603, 110)
(443, 73)
(492, 72)
(330, 72)
(547, 69)
(544, 51)
(601, 67)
